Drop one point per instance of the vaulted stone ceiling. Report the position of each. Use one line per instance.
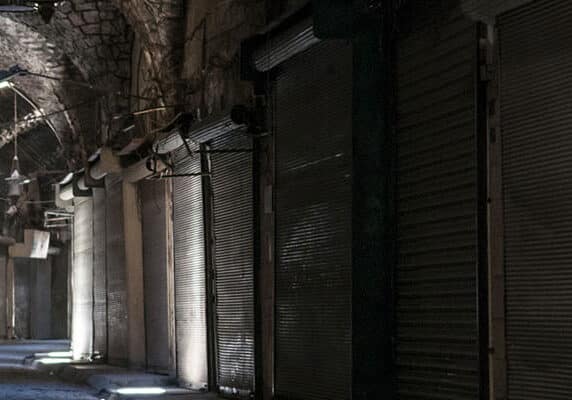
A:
(86, 42)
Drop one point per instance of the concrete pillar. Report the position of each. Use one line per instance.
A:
(134, 271)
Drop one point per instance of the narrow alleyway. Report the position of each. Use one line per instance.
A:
(21, 382)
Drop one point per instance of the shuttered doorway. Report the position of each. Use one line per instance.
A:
(437, 346)
(22, 297)
(82, 278)
(536, 118)
(117, 315)
(190, 273)
(312, 97)
(153, 200)
(232, 186)
(99, 273)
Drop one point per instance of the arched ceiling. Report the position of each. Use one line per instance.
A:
(86, 41)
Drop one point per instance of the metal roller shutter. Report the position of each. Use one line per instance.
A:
(154, 221)
(41, 299)
(117, 351)
(437, 332)
(536, 117)
(313, 127)
(190, 273)
(22, 279)
(3, 294)
(60, 277)
(232, 187)
(99, 273)
(82, 279)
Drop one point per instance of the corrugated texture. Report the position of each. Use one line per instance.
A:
(41, 299)
(82, 278)
(536, 115)
(437, 350)
(313, 108)
(154, 221)
(3, 315)
(117, 350)
(22, 297)
(278, 49)
(190, 273)
(60, 278)
(234, 263)
(99, 273)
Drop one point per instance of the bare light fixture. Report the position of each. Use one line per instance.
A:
(45, 8)
(16, 179)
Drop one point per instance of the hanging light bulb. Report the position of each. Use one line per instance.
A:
(16, 179)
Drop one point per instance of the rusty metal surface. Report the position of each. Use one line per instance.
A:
(437, 349)
(536, 93)
(312, 108)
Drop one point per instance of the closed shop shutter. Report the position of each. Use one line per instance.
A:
(154, 220)
(60, 277)
(313, 127)
(437, 332)
(232, 186)
(3, 296)
(117, 352)
(82, 279)
(41, 299)
(190, 273)
(99, 273)
(22, 278)
(536, 117)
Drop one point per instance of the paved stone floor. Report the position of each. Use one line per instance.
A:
(19, 382)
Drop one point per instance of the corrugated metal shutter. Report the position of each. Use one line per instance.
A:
(154, 220)
(190, 273)
(22, 297)
(60, 277)
(82, 279)
(3, 294)
(99, 273)
(437, 347)
(232, 186)
(313, 107)
(117, 351)
(41, 299)
(536, 115)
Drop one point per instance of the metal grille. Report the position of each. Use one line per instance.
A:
(313, 108)
(82, 279)
(190, 273)
(536, 95)
(154, 221)
(99, 273)
(437, 350)
(117, 351)
(234, 263)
